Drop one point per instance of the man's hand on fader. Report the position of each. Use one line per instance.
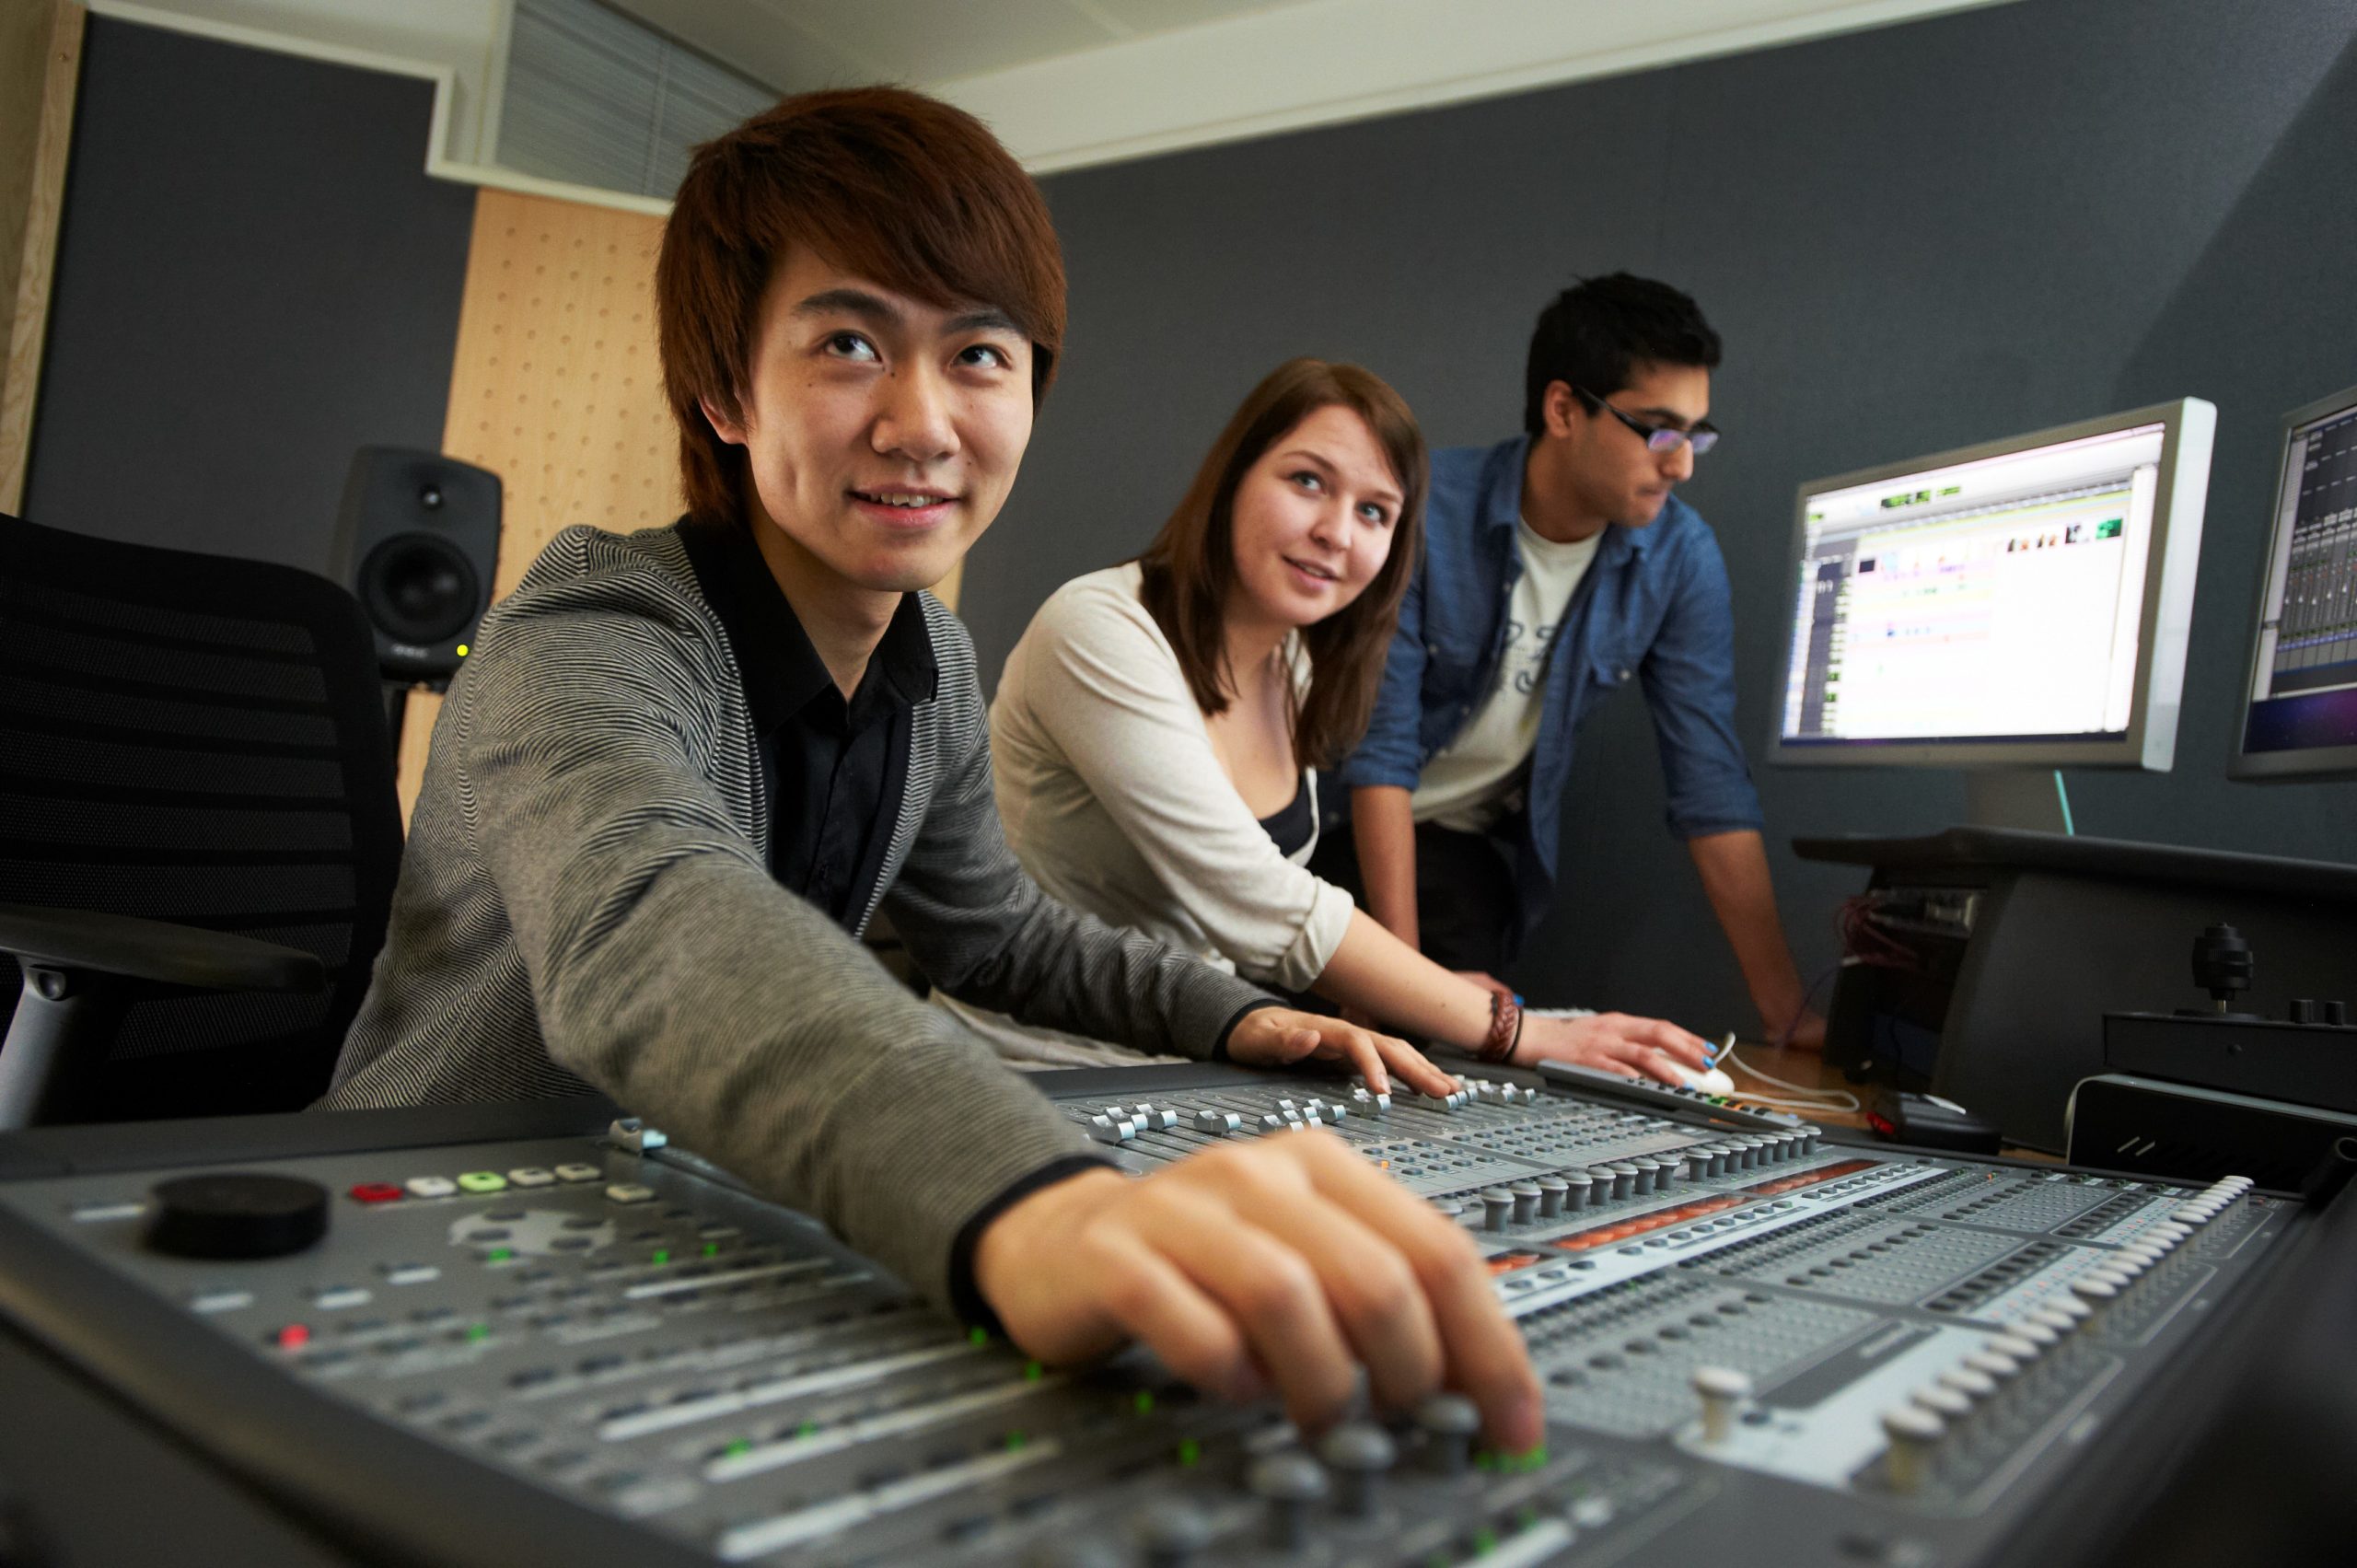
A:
(1274, 1265)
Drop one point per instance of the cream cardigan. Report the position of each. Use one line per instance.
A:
(1114, 802)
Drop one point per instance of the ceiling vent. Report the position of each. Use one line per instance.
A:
(592, 97)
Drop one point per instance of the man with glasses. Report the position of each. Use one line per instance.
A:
(1558, 567)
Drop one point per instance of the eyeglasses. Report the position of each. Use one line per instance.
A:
(1659, 438)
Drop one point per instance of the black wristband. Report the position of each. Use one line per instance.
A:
(1219, 1046)
(965, 1296)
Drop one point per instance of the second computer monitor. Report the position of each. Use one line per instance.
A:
(2019, 604)
(2300, 717)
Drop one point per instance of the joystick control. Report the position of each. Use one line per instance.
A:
(2223, 965)
(238, 1214)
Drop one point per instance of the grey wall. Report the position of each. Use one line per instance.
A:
(1911, 238)
(254, 277)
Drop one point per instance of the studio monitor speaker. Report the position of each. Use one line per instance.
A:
(417, 540)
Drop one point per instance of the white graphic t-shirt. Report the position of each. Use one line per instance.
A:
(1478, 778)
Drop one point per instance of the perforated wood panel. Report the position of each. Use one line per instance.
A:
(555, 386)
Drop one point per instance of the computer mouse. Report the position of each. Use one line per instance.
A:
(1710, 1082)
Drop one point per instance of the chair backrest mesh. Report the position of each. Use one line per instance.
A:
(194, 739)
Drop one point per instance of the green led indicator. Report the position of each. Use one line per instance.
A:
(1485, 1540)
(738, 1448)
(662, 1255)
(978, 1336)
(1015, 1440)
(712, 1249)
(1189, 1452)
(478, 1332)
(1143, 1401)
(808, 1429)
(500, 1255)
(1033, 1372)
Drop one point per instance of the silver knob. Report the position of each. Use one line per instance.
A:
(1290, 1483)
(1449, 1422)
(1358, 1453)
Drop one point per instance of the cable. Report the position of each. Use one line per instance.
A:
(1803, 1097)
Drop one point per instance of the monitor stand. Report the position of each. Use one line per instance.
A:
(2032, 799)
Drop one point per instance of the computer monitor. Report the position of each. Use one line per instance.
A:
(2009, 608)
(2299, 719)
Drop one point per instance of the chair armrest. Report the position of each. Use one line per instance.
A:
(92, 943)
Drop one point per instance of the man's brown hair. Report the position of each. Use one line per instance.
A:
(1189, 569)
(896, 187)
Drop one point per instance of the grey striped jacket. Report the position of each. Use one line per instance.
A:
(585, 901)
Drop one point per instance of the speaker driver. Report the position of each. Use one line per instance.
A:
(421, 590)
(417, 542)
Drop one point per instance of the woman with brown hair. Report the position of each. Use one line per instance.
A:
(1156, 731)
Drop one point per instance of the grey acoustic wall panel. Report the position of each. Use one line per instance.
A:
(1912, 238)
(255, 277)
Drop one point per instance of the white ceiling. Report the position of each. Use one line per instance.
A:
(1067, 83)
(1070, 83)
(797, 44)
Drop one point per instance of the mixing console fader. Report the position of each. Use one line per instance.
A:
(523, 1335)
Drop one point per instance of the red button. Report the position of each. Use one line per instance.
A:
(295, 1336)
(378, 1192)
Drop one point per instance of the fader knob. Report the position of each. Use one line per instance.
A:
(1175, 1535)
(1497, 1208)
(1358, 1453)
(1084, 1554)
(1290, 1483)
(1450, 1423)
(238, 1214)
(1913, 1431)
(1552, 1192)
(1526, 1196)
(1579, 1190)
(1723, 1390)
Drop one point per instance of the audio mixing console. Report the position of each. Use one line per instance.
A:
(516, 1335)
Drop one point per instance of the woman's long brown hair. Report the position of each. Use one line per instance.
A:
(1189, 569)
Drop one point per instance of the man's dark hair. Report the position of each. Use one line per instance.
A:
(1598, 332)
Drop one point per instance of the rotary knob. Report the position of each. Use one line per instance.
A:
(237, 1215)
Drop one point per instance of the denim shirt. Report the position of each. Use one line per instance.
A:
(1655, 607)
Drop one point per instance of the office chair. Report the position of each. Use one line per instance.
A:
(198, 829)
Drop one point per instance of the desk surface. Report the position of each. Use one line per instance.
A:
(1811, 1070)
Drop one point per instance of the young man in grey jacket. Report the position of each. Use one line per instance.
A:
(685, 767)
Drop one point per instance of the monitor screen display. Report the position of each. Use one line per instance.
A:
(2301, 716)
(1998, 598)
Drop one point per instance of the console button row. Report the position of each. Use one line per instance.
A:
(474, 1183)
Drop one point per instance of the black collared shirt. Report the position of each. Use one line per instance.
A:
(832, 771)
